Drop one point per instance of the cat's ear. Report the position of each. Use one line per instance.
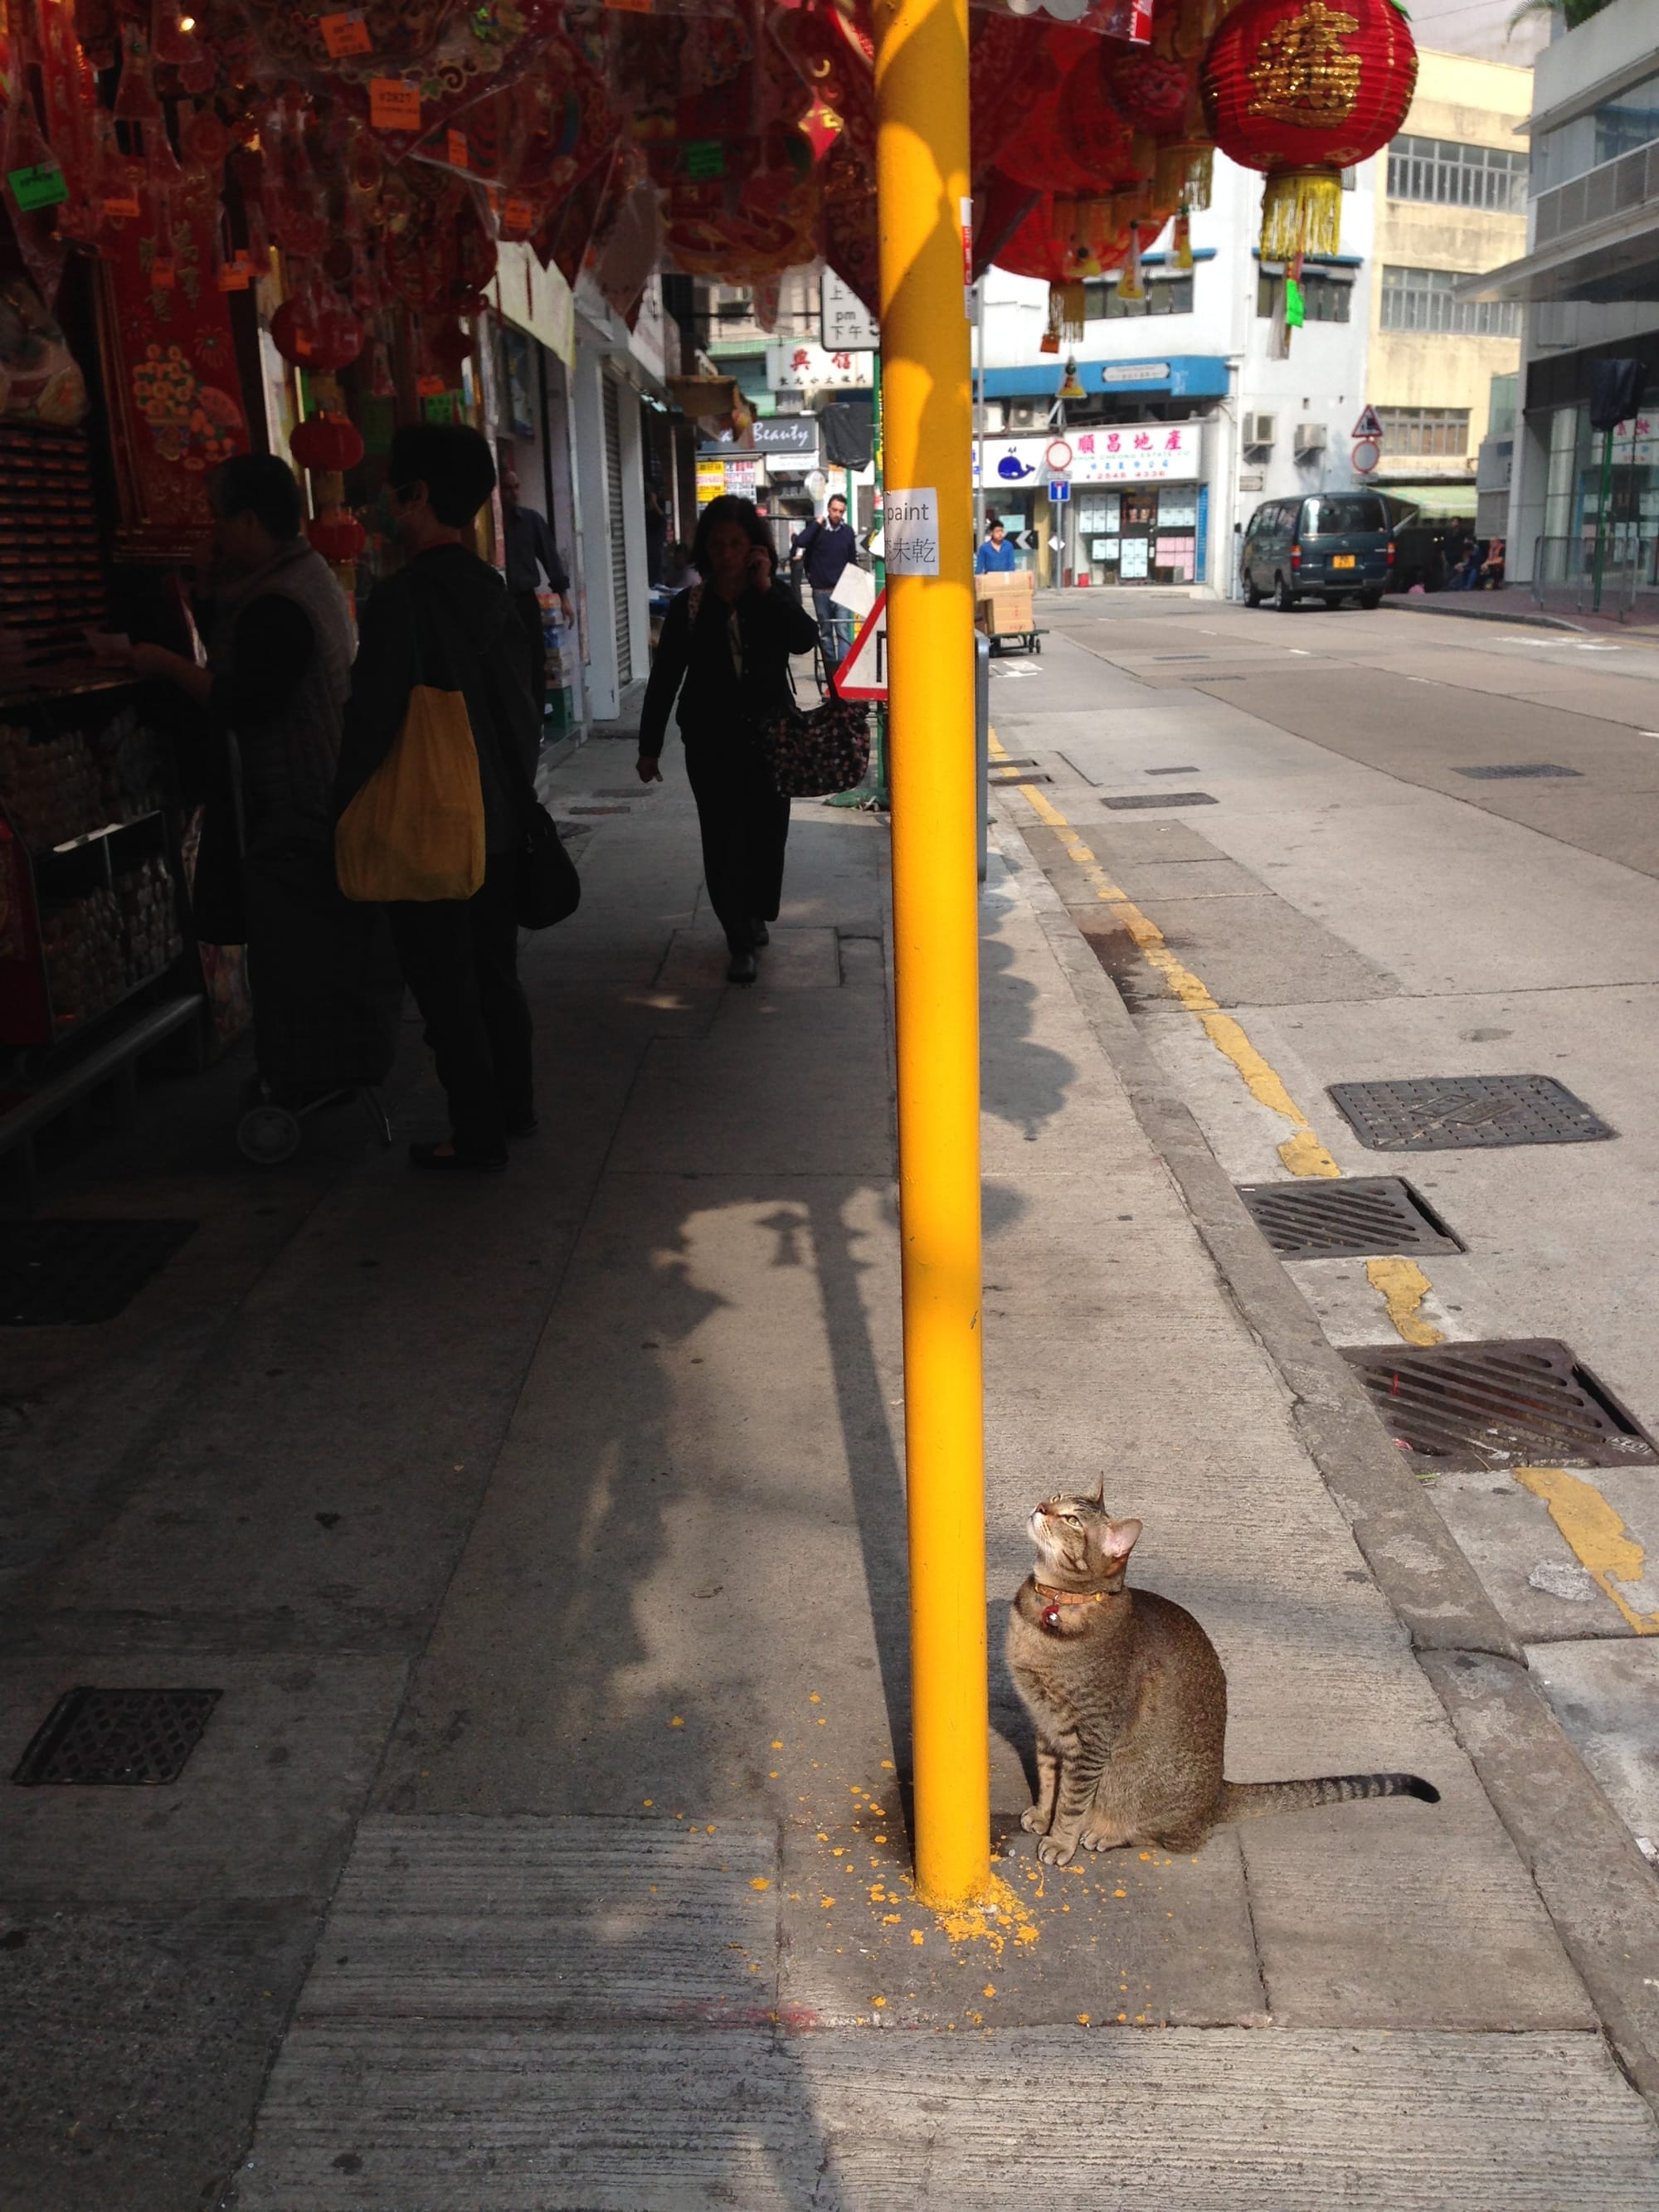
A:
(1099, 1497)
(1119, 1539)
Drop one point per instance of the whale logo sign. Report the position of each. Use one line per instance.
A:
(1013, 468)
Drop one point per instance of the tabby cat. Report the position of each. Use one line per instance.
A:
(1130, 1703)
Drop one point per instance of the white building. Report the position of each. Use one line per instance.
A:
(1206, 357)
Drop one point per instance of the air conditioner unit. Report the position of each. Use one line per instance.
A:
(1027, 414)
(1310, 438)
(1260, 429)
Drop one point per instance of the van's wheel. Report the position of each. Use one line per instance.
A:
(1284, 598)
(1252, 592)
(1370, 599)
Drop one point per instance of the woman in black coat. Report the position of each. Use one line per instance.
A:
(725, 651)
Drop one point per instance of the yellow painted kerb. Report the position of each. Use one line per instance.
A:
(1601, 1542)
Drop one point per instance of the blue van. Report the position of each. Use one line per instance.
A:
(1329, 545)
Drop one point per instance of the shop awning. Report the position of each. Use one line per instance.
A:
(1182, 376)
(1434, 500)
(1614, 260)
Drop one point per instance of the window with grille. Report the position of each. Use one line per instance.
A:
(1421, 299)
(1325, 299)
(1165, 296)
(1451, 175)
(1436, 431)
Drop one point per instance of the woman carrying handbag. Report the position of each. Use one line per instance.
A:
(725, 654)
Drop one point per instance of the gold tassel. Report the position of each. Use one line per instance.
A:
(1301, 213)
(1182, 173)
(1050, 342)
(1132, 285)
(1073, 303)
(1180, 255)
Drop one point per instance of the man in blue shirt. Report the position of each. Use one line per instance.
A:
(996, 553)
(828, 547)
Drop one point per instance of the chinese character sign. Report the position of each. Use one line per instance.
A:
(1154, 453)
(803, 368)
(846, 324)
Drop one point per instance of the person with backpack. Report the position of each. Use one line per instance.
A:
(725, 655)
(444, 620)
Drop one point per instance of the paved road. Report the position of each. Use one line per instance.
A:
(1363, 907)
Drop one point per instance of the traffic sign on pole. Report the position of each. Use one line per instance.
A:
(1370, 425)
(863, 674)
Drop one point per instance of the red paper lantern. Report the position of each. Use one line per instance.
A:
(1151, 91)
(1065, 242)
(325, 442)
(338, 537)
(1303, 89)
(324, 337)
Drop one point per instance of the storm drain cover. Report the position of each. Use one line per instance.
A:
(123, 1737)
(1527, 1403)
(1520, 768)
(1458, 1112)
(79, 1271)
(1186, 768)
(1160, 798)
(1324, 1220)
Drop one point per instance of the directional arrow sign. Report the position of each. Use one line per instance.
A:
(863, 674)
(1370, 425)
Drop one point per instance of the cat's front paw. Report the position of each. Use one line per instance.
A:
(1057, 1848)
(1034, 1821)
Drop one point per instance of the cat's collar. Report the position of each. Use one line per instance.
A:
(1053, 1599)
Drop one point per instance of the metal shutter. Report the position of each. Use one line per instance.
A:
(613, 499)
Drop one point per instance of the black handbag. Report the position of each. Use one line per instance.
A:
(814, 755)
(549, 890)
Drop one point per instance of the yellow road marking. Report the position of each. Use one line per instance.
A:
(1599, 1540)
(1301, 1152)
(1404, 1287)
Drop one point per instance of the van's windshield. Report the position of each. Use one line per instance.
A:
(1334, 518)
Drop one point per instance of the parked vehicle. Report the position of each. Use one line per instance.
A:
(1328, 545)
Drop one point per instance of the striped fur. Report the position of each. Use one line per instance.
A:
(1247, 1801)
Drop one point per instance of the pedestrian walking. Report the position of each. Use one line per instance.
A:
(725, 655)
(445, 620)
(825, 548)
(278, 669)
(531, 553)
(996, 555)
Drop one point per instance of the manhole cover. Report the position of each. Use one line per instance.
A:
(123, 1737)
(1187, 768)
(52, 1272)
(1359, 1214)
(1521, 767)
(1457, 1113)
(1525, 1403)
(1159, 798)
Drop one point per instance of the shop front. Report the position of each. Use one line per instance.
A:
(1116, 505)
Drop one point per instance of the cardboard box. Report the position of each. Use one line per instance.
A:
(1005, 603)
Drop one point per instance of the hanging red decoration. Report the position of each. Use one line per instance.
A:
(316, 335)
(327, 442)
(1303, 89)
(1151, 91)
(338, 536)
(1067, 241)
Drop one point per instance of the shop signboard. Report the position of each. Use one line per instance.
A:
(786, 433)
(800, 366)
(1129, 453)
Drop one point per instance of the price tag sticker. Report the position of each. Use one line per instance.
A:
(345, 34)
(429, 387)
(41, 186)
(127, 209)
(237, 274)
(630, 7)
(163, 275)
(455, 149)
(394, 104)
(519, 214)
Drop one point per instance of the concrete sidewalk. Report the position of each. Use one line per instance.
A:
(552, 1534)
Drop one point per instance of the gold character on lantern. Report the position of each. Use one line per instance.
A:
(1302, 73)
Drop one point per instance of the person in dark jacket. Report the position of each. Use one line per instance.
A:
(825, 549)
(444, 619)
(531, 552)
(278, 669)
(725, 652)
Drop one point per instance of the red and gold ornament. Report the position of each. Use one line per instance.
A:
(1303, 89)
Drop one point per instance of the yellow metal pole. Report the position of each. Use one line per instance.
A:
(921, 169)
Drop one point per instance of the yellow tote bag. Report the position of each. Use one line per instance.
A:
(415, 831)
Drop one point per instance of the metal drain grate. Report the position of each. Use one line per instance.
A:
(1186, 768)
(1459, 1113)
(1521, 767)
(1356, 1215)
(56, 1271)
(1525, 1403)
(127, 1738)
(1160, 798)
(1181, 656)
(1018, 775)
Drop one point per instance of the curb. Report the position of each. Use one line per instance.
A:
(1600, 1892)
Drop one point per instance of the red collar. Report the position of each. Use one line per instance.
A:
(1053, 1599)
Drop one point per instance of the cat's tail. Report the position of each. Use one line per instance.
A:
(1247, 1801)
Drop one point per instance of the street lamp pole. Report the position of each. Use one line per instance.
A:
(925, 213)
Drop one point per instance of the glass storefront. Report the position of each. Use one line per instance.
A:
(1573, 496)
(1142, 535)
